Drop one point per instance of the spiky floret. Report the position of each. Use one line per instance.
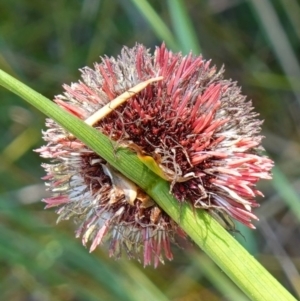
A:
(196, 126)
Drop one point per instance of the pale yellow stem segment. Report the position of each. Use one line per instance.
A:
(108, 108)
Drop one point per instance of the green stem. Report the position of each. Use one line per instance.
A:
(156, 23)
(185, 32)
(231, 257)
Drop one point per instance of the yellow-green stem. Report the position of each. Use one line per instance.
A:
(231, 257)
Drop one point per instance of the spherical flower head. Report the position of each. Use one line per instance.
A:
(195, 127)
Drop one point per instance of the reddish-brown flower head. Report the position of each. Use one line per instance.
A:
(195, 126)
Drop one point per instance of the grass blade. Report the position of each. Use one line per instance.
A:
(235, 261)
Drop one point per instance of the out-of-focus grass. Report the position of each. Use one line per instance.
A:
(44, 44)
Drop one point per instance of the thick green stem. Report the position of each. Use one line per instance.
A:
(231, 257)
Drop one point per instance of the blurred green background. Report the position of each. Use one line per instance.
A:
(44, 43)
